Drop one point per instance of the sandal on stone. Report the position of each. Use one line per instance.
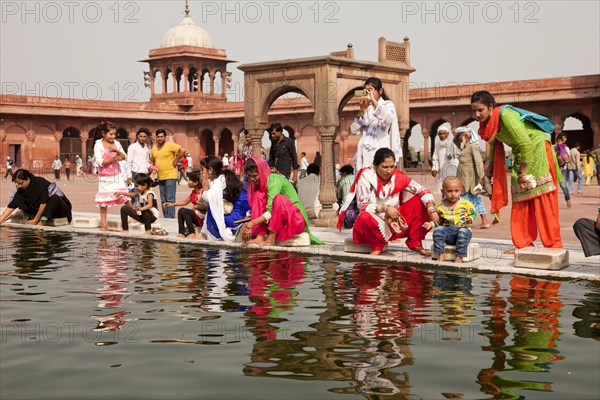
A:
(159, 232)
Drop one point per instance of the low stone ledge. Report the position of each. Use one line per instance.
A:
(351, 247)
(86, 222)
(473, 252)
(541, 258)
(58, 222)
(300, 240)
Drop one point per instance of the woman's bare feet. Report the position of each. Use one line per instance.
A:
(181, 235)
(458, 259)
(511, 251)
(192, 236)
(442, 257)
(256, 240)
(148, 232)
(104, 228)
(421, 251)
(201, 236)
(376, 252)
(269, 240)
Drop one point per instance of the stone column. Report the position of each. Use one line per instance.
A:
(426, 151)
(216, 139)
(152, 77)
(58, 137)
(211, 76)
(30, 140)
(185, 77)
(174, 75)
(425, 133)
(327, 191)
(256, 140)
(235, 138)
(84, 136)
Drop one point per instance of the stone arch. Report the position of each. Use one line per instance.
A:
(123, 138)
(276, 93)
(168, 76)
(193, 79)
(207, 144)
(405, 143)
(44, 130)
(225, 142)
(309, 139)
(584, 136)
(16, 129)
(158, 82)
(179, 80)
(205, 81)
(70, 144)
(218, 85)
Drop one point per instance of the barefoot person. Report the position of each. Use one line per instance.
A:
(534, 179)
(276, 208)
(384, 215)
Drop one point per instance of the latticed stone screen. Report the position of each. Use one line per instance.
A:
(395, 53)
(343, 54)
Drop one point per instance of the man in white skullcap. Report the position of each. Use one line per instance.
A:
(445, 157)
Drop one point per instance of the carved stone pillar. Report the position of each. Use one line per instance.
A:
(58, 137)
(426, 151)
(216, 139)
(185, 77)
(30, 143)
(152, 78)
(174, 75)
(256, 140)
(327, 190)
(211, 76)
(84, 135)
(425, 156)
(235, 138)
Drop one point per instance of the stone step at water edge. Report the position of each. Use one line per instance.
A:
(86, 222)
(541, 258)
(473, 252)
(58, 222)
(351, 247)
(300, 240)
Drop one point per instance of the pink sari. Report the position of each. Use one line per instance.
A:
(286, 219)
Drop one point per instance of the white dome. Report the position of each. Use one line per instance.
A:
(187, 33)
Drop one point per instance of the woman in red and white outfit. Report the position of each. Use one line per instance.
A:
(392, 206)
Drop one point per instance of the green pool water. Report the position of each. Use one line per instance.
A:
(86, 317)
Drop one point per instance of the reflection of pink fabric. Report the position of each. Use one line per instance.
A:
(286, 218)
(366, 229)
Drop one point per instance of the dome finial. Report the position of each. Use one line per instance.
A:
(187, 8)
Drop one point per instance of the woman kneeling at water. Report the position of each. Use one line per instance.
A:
(276, 209)
(39, 199)
(392, 206)
(226, 200)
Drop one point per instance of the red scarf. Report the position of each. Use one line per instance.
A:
(488, 130)
(401, 181)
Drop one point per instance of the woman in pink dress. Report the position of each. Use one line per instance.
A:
(110, 159)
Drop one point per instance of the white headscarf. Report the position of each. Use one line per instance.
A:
(474, 135)
(452, 151)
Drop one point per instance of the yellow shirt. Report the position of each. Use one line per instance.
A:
(163, 159)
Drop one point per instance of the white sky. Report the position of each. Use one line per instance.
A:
(89, 49)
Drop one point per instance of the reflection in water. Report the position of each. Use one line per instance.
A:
(35, 252)
(271, 289)
(353, 326)
(112, 268)
(534, 314)
(589, 313)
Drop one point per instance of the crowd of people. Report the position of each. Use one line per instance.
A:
(272, 198)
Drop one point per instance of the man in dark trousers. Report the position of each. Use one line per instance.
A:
(588, 233)
(283, 157)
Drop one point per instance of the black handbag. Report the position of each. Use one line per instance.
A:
(351, 215)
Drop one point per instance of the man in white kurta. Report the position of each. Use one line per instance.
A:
(445, 158)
